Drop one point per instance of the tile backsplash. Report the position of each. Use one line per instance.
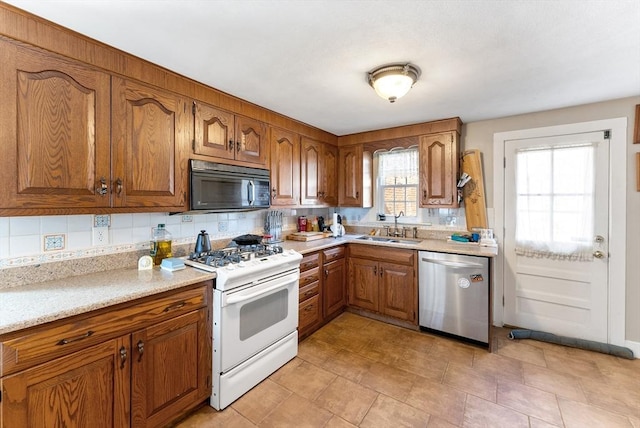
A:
(33, 240)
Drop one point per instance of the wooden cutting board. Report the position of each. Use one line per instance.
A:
(473, 193)
(308, 236)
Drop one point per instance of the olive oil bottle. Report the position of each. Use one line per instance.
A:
(160, 244)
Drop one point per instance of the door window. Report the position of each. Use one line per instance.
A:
(554, 201)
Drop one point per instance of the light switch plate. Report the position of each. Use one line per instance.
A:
(100, 236)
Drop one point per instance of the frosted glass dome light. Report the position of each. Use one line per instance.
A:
(393, 81)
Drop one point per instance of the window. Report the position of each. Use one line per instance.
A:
(555, 192)
(398, 182)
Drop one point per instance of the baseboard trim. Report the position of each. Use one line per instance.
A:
(635, 347)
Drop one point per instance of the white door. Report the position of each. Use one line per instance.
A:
(556, 222)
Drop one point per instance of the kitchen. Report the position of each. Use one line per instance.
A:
(129, 231)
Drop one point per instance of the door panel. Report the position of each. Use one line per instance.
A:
(558, 296)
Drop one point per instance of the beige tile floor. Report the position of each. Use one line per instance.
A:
(360, 372)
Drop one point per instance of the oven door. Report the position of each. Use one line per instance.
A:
(250, 318)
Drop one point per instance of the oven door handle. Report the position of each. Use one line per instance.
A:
(232, 300)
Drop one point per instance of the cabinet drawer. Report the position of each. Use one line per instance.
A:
(309, 312)
(333, 254)
(25, 349)
(386, 254)
(308, 291)
(309, 261)
(309, 276)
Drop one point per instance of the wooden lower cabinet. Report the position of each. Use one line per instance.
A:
(169, 369)
(386, 287)
(153, 366)
(322, 289)
(89, 388)
(334, 292)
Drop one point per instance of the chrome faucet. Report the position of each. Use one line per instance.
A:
(395, 227)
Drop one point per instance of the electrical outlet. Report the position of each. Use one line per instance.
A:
(100, 235)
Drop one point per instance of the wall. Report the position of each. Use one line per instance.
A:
(479, 135)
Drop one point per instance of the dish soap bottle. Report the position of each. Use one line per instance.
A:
(160, 244)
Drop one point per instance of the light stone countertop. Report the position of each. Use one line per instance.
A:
(438, 245)
(39, 303)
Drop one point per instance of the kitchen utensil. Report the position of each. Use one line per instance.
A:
(247, 239)
(203, 244)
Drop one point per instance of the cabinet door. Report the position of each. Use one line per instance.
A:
(334, 292)
(439, 170)
(309, 315)
(89, 388)
(251, 141)
(285, 167)
(329, 169)
(363, 284)
(311, 176)
(350, 176)
(398, 291)
(54, 131)
(150, 146)
(214, 132)
(171, 369)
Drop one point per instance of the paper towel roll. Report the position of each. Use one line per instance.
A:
(334, 225)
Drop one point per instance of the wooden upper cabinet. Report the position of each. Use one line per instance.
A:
(285, 167)
(251, 141)
(54, 131)
(354, 177)
(319, 167)
(150, 135)
(223, 135)
(439, 170)
(214, 132)
(329, 175)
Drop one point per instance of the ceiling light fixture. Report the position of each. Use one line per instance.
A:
(393, 81)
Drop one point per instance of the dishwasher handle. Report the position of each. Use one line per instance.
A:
(460, 265)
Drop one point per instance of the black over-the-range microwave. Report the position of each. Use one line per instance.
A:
(219, 187)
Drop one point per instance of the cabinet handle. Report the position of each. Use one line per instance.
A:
(273, 192)
(309, 308)
(123, 356)
(102, 187)
(326, 273)
(381, 271)
(75, 339)
(231, 145)
(238, 145)
(357, 195)
(140, 350)
(119, 187)
(424, 194)
(174, 306)
(375, 270)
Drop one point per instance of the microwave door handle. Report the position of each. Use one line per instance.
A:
(252, 192)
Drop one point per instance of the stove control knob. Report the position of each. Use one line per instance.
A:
(230, 267)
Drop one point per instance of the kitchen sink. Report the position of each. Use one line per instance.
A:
(389, 240)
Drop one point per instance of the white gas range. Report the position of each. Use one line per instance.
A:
(255, 315)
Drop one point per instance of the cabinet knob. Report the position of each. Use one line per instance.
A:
(424, 194)
(230, 144)
(357, 195)
(102, 187)
(140, 349)
(238, 146)
(375, 270)
(326, 273)
(119, 187)
(123, 356)
(274, 192)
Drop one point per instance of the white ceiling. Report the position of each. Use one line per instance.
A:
(308, 59)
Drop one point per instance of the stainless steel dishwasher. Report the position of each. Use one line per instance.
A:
(453, 295)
